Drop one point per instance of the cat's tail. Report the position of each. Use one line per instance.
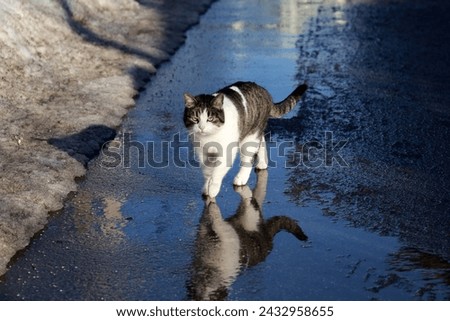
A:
(277, 223)
(285, 106)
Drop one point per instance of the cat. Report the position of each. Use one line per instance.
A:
(224, 247)
(232, 118)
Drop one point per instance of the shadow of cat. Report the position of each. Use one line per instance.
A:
(224, 248)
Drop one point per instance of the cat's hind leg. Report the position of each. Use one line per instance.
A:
(248, 149)
(263, 159)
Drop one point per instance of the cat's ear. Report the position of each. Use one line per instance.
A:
(189, 101)
(218, 101)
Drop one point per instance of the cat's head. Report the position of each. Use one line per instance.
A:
(203, 114)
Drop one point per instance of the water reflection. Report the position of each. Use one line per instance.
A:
(100, 216)
(224, 247)
(433, 269)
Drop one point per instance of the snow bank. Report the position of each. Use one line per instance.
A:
(69, 70)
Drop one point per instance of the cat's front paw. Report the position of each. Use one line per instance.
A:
(213, 189)
(240, 181)
(205, 189)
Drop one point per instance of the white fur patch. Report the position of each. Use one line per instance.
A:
(251, 219)
(244, 101)
(225, 139)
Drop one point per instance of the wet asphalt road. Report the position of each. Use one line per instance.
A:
(361, 165)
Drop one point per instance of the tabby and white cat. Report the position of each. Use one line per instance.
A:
(232, 119)
(223, 248)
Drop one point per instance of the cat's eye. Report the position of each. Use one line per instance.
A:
(195, 119)
(210, 118)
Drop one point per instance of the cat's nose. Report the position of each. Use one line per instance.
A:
(201, 126)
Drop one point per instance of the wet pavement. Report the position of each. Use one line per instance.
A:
(360, 167)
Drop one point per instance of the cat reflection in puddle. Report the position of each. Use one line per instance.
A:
(224, 247)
